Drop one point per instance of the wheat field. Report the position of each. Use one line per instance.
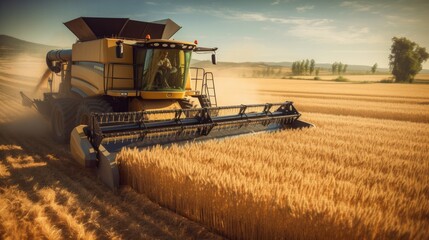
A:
(362, 173)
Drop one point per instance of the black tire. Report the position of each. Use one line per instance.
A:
(88, 106)
(63, 118)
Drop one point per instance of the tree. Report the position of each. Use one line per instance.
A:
(266, 71)
(406, 59)
(306, 66)
(345, 68)
(334, 67)
(317, 71)
(294, 68)
(312, 65)
(301, 67)
(374, 68)
(340, 68)
(298, 68)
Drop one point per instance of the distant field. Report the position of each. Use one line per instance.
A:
(347, 77)
(407, 102)
(423, 77)
(362, 78)
(285, 72)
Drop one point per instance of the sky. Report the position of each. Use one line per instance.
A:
(351, 32)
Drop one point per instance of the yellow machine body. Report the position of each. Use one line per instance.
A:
(97, 70)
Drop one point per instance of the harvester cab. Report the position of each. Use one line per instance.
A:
(125, 83)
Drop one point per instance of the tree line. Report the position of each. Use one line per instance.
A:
(304, 67)
(268, 71)
(405, 61)
(339, 68)
(308, 67)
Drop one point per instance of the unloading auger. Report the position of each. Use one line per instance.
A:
(125, 83)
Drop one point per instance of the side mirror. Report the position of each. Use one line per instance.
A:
(119, 49)
(214, 59)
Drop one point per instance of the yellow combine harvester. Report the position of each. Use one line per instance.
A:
(125, 83)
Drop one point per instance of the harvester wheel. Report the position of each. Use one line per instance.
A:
(63, 118)
(88, 106)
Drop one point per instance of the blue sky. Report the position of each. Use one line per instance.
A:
(353, 32)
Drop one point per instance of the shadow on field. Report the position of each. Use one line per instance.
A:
(35, 162)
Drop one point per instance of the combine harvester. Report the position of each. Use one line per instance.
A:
(125, 83)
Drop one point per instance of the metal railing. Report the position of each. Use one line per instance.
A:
(204, 84)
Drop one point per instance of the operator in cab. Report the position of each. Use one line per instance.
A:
(164, 70)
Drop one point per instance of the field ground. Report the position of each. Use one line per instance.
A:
(360, 78)
(365, 132)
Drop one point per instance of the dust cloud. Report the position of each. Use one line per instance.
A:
(18, 73)
(235, 91)
(232, 89)
(22, 73)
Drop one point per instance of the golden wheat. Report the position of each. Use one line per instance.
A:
(349, 178)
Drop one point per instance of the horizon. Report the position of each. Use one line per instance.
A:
(244, 62)
(351, 32)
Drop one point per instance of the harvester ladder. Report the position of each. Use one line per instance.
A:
(210, 89)
(205, 82)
